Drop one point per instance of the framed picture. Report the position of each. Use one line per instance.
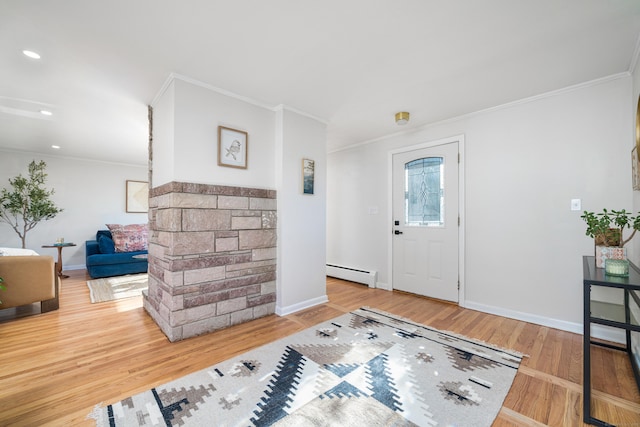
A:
(137, 196)
(308, 172)
(232, 147)
(634, 169)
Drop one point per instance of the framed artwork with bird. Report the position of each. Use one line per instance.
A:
(232, 147)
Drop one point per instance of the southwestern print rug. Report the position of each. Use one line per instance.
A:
(364, 368)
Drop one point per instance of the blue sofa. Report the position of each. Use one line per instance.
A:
(103, 261)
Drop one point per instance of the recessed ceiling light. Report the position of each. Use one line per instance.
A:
(46, 113)
(31, 54)
(55, 147)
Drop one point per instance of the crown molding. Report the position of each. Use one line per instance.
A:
(162, 90)
(79, 159)
(283, 107)
(195, 82)
(174, 76)
(512, 104)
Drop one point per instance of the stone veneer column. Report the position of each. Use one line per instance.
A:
(212, 257)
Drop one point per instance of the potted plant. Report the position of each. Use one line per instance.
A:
(27, 202)
(607, 229)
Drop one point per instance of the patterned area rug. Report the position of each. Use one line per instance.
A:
(110, 288)
(365, 368)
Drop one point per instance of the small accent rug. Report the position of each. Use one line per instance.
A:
(110, 288)
(364, 368)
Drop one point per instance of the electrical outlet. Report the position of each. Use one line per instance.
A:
(576, 204)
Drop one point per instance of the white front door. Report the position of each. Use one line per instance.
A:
(425, 215)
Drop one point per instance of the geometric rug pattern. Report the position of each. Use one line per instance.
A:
(364, 368)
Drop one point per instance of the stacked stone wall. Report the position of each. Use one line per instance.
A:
(212, 257)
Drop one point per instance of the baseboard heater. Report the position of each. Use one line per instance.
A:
(353, 274)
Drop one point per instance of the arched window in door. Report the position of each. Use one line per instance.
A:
(424, 192)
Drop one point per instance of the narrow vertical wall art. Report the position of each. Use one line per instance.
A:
(308, 172)
(635, 166)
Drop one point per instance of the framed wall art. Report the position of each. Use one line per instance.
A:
(308, 175)
(137, 196)
(232, 147)
(635, 173)
(638, 124)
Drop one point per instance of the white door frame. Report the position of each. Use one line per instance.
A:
(461, 185)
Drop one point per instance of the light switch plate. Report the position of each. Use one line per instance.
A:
(576, 204)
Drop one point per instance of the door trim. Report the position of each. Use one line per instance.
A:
(461, 209)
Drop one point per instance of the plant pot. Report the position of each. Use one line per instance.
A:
(609, 252)
(609, 238)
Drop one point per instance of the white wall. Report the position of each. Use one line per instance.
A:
(635, 243)
(185, 149)
(524, 162)
(301, 217)
(163, 137)
(186, 120)
(91, 193)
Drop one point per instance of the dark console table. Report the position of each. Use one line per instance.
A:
(625, 316)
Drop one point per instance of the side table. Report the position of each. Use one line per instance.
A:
(59, 246)
(622, 316)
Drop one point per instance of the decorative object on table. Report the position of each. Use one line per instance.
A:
(137, 196)
(308, 176)
(616, 267)
(363, 368)
(59, 246)
(233, 147)
(112, 288)
(28, 202)
(607, 229)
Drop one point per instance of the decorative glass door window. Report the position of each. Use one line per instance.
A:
(424, 192)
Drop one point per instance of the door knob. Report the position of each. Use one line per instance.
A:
(397, 232)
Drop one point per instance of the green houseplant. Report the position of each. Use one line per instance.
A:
(607, 228)
(27, 202)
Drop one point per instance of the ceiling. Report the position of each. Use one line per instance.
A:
(351, 63)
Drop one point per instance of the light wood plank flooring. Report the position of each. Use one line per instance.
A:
(56, 366)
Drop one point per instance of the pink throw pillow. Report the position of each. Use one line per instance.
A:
(129, 238)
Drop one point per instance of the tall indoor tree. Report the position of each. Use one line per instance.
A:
(27, 202)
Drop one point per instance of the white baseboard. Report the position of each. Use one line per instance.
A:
(597, 331)
(283, 311)
(383, 286)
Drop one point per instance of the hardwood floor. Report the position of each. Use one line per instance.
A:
(57, 366)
